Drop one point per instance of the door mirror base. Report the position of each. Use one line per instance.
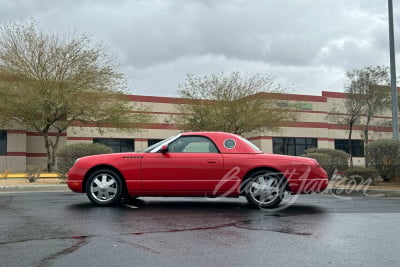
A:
(164, 149)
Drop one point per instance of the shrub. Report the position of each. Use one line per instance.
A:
(338, 160)
(384, 156)
(33, 172)
(361, 175)
(70, 153)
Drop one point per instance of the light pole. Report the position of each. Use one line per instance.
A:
(395, 119)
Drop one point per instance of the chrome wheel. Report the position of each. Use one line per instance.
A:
(104, 187)
(265, 189)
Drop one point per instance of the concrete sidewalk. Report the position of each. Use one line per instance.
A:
(42, 184)
(34, 188)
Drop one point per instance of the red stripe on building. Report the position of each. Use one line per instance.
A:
(297, 124)
(141, 139)
(334, 94)
(80, 138)
(159, 113)
(308, 111)
(158, 99)
(339, 94)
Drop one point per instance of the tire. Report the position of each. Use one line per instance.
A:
(265, 189)
(104, 188)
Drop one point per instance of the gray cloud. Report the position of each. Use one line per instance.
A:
(307, 44)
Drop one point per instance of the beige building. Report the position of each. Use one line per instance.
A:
(315, 127)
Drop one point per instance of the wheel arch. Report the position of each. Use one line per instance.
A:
(99, 167)
(262, 168)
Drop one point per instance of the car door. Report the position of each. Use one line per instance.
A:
(191, 166)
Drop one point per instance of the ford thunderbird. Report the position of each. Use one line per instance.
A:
(203, 164)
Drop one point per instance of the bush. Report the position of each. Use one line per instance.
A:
(70, 153)
(384, 156)
(361, 175)
(33, 172)
(337, 160)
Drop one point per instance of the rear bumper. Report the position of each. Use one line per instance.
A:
(308, 186)
(75, 179)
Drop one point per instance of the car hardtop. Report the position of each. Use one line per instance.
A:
(228, 143)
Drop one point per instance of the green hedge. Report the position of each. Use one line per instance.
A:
(361, 175)
(384, 156)
(70, 153)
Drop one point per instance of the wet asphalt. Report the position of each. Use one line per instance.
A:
(65, 229)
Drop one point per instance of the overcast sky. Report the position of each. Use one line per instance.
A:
(307, 44)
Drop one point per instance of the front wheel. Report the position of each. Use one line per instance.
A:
(265, 189)
(104, 188)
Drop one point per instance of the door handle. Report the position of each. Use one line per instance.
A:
(212, 161)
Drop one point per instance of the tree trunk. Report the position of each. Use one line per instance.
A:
(54, 147)
(366, 137)
(51, 149)
(349, 144)
(49, 152)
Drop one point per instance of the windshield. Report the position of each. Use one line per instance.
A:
(152, 147)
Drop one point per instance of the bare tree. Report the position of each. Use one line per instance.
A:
(367, 95)
(49, 82)
(368, 88)
(232, 103)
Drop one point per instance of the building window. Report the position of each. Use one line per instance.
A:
(117, 145)
(356, 146)
(151, 142)
(3, 142)
(293, 146)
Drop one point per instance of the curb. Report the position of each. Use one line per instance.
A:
(373, 193)
(34, 188)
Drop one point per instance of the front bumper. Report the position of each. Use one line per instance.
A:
(308, 186)
(75, 179)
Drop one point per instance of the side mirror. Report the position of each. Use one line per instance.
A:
(164, 149)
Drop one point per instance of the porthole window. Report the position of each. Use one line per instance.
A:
(229, 143)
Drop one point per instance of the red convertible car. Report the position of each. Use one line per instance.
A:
(207, 164)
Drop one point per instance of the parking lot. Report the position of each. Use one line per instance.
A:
(64, 229)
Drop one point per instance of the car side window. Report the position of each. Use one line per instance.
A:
(192, 144)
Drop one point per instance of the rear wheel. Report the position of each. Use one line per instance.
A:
(265, 189)
(104, 188)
